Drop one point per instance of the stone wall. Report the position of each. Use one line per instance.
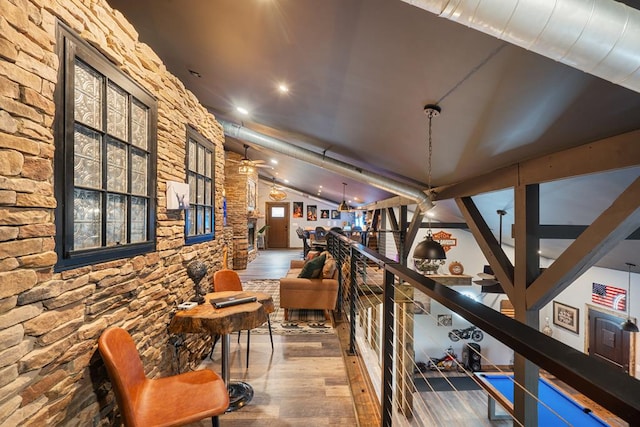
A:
(236, 186)
(50, 371)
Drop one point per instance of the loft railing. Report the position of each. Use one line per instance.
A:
(377, 298)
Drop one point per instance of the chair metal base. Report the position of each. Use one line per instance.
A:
(240, 393)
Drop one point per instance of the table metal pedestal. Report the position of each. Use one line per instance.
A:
(240, 393)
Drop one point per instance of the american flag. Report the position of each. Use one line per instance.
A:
(609, 296)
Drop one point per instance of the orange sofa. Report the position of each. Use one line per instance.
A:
(313, 294)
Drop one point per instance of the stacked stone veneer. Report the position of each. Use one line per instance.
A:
(236, 186)
(50, 371)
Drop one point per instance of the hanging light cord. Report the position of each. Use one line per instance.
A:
(629, 265)
(429, 154)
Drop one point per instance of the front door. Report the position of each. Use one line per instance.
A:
(278, 221)
(607, 341)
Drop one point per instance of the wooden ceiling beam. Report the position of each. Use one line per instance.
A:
(607, 154)
(610, 228)
(391, 202)
(502, 267)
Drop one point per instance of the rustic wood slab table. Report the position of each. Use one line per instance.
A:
(207, 319)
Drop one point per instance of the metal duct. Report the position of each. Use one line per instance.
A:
(599, 37)
(401, 189)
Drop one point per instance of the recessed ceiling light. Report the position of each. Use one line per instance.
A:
(320, 186)
(283, 88)
(286, 180)
(242, 110)
(274, 161)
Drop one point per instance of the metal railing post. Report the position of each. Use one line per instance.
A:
(387, 349)
(353, 296)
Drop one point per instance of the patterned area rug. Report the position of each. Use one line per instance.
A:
(300, 321)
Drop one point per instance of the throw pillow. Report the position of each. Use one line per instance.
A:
(329, 268)
(312, 255)
(312, 268)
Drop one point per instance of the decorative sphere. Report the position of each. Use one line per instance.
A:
(196, 271)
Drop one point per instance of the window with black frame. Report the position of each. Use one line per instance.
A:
(200, 216)
(105, 165)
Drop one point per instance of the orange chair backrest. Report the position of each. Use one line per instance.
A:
(125, 370)
(226, 280)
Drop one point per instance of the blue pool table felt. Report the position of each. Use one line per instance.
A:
(555, 399)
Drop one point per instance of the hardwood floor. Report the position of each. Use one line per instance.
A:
(302, 382)
(270, 264)
(311, 380)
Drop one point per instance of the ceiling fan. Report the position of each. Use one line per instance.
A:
(247, 165)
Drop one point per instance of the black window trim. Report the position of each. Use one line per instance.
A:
(69, 46)
(192, 133)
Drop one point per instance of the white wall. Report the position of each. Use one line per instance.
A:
(294, 196)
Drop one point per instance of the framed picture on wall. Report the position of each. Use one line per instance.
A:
(312, 213)
(297, 209)
(445, 320)
(335, 214)
(566, 317)
(421, 303)
(324, 213)
(251, 195)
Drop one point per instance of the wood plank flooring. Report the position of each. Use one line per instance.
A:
(302, 382)
(311, 380)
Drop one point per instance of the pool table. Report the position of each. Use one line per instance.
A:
(559, 405)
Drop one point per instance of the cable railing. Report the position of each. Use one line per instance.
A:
(419, 386)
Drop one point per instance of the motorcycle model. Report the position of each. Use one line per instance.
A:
(447, 362)
(464, 334)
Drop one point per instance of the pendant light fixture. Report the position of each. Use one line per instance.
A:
(247, 167)
(429, 254)
(276, 194)
(344, 206)
(628, 325)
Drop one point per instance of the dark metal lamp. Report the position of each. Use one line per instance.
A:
(429, 254)
(429, 249)
(344, 206)
(628, 325)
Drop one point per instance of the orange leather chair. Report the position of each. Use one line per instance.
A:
(228, 280)
(169, 401)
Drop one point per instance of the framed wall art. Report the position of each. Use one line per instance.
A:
(445, 320)
(251, 195)
(297, 209)
(312, 213)
(566, 317)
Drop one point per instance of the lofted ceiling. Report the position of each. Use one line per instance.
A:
(359, 73)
